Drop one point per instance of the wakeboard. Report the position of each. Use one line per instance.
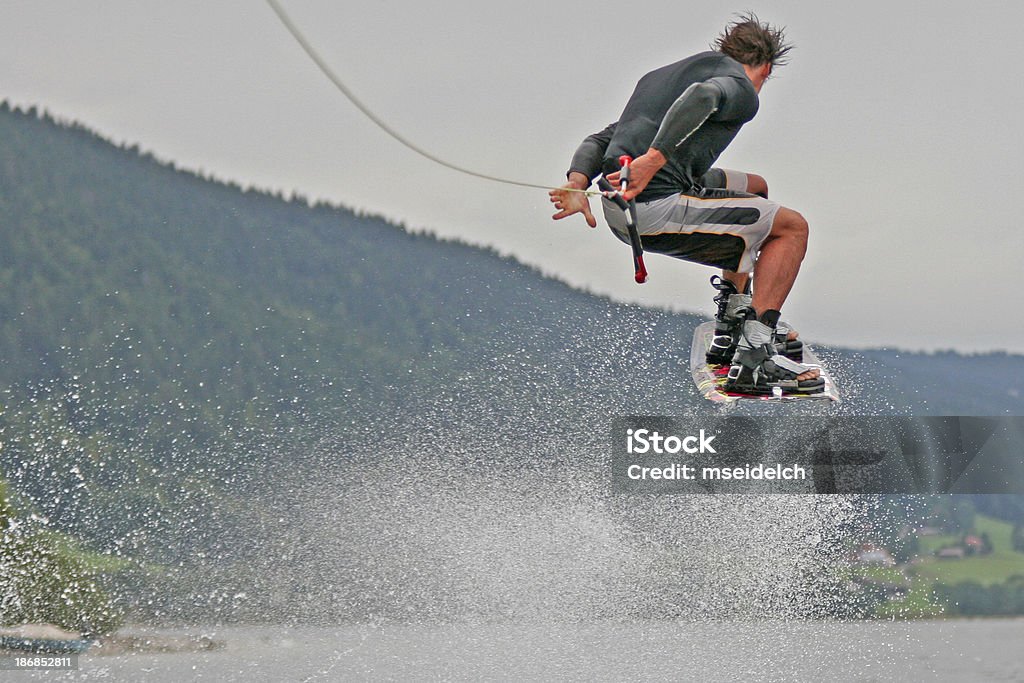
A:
(710, 379)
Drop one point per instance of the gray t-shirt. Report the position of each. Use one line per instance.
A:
(691, 130)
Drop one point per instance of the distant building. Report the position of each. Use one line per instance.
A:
(975, 543)
(951, 553)
(875, 555)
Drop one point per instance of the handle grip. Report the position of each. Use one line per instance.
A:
(628, 208)
(624, 161)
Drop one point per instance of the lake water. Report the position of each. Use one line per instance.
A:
(960, 650)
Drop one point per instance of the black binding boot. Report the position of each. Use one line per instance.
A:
(758, 368)
(732, 307)
(728, 319)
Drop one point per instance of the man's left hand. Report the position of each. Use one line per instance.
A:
(570, 199)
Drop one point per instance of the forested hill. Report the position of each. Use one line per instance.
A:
(104, 249)
(137, 274)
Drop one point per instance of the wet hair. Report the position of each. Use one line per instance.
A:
(751, 42)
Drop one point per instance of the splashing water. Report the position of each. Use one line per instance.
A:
(484, 501)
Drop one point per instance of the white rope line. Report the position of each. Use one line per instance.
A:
(340, 85)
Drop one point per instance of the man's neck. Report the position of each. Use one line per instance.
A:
(757, 74)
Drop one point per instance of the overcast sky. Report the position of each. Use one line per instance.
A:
(894, 130)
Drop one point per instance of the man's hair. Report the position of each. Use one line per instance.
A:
(751, 42)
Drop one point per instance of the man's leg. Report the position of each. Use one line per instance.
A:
(778, 264)
(748, 183)
(779, 261)
(738, 279)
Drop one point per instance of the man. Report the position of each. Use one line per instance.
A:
(675, 125)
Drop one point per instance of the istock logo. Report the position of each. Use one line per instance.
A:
(641, 441)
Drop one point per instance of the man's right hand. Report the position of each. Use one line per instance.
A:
(641, 171)
(570, 199)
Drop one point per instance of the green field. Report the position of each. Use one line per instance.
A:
(995, 567)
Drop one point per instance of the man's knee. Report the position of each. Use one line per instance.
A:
(800, 226)
(791, 224)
